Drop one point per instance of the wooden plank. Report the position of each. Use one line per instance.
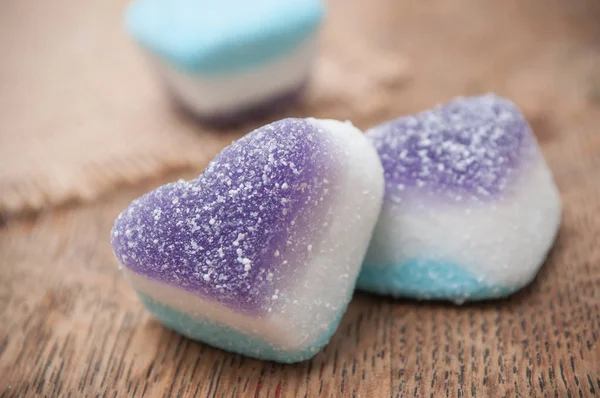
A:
(70, 324)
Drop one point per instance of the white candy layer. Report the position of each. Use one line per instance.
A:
(504, 242)
(222, 93)
(330, 280)
(323, 291)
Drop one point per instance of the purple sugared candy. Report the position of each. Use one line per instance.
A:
(258, 255)
(470, 208)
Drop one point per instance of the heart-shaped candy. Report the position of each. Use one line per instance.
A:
(470, 208)
(259, 255)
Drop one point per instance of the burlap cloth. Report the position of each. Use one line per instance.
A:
(81, 113)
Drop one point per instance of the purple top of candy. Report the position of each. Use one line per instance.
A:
(469, 148)
(243, 229)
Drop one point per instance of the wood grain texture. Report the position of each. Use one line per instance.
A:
(71, 326)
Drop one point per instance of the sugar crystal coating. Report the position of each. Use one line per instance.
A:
(470, 148)
(471, 209)
(243, 230)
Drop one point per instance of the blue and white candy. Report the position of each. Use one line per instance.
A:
(470, 209)
(228, 60)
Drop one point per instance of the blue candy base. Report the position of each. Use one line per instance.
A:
(429, 280)
(229, 339)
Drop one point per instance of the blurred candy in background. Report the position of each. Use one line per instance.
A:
(229, 61)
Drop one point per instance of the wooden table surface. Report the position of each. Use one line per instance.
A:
(71, 326)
